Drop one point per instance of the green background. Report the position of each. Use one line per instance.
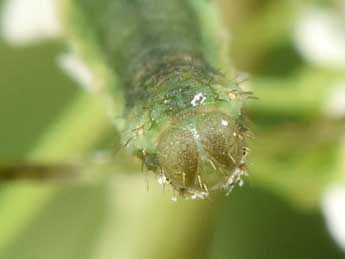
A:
(117, 218)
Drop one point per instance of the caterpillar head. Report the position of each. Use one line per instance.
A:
(203, 151)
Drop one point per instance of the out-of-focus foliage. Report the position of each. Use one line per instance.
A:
(293, 158)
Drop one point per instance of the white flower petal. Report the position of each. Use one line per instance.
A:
(333, 206)
(77, 69)
(29, 21)
(335, 102)
(320, 37)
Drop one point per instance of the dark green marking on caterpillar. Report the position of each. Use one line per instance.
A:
(184, 117)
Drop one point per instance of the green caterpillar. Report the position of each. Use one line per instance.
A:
(183, 116)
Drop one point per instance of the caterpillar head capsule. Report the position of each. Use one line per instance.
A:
(201, 152)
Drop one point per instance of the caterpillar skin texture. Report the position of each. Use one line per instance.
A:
(183, 116)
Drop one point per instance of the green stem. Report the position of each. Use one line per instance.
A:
(79, 127)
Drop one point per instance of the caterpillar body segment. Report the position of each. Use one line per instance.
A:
(161, 58)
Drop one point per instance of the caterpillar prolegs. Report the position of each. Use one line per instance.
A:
(163, 58)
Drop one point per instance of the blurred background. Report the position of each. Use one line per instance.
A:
(293, 202)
